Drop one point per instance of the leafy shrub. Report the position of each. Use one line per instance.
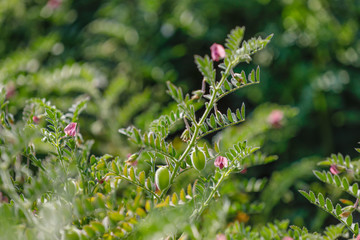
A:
(72, 194)
(62, 49)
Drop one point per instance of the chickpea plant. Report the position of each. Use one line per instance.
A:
(154, 143)
(56, 189)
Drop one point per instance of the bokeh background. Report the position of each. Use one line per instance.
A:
(120, 53)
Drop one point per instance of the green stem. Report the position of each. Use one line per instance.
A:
(199, 211)
(197, 128)
(139, 185)
(62, 162)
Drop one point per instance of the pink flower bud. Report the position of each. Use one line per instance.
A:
(102, 180)
(10, 91)
(221, 162)
(275, 118)
(54, 4)
(333, 169)
(36, 119)
(287, 238)
(217, 52)
(70, 129)
(221, 236)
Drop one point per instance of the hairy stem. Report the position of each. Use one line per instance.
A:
(199, 211)
(197, 129)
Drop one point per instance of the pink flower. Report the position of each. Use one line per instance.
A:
(221, 236)
(287, 238)
(54, 4)
(275, 118)
(217, 52)
(36, 119)
(333, 169)
(221, 162)
(10, 91)
(70, 129)
(102, 180)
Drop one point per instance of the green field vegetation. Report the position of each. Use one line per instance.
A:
(139, 80)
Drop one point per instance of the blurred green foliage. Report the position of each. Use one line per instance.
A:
(120, 53)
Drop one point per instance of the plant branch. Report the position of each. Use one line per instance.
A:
(141, 186)
(197, 128)
(199, 211)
